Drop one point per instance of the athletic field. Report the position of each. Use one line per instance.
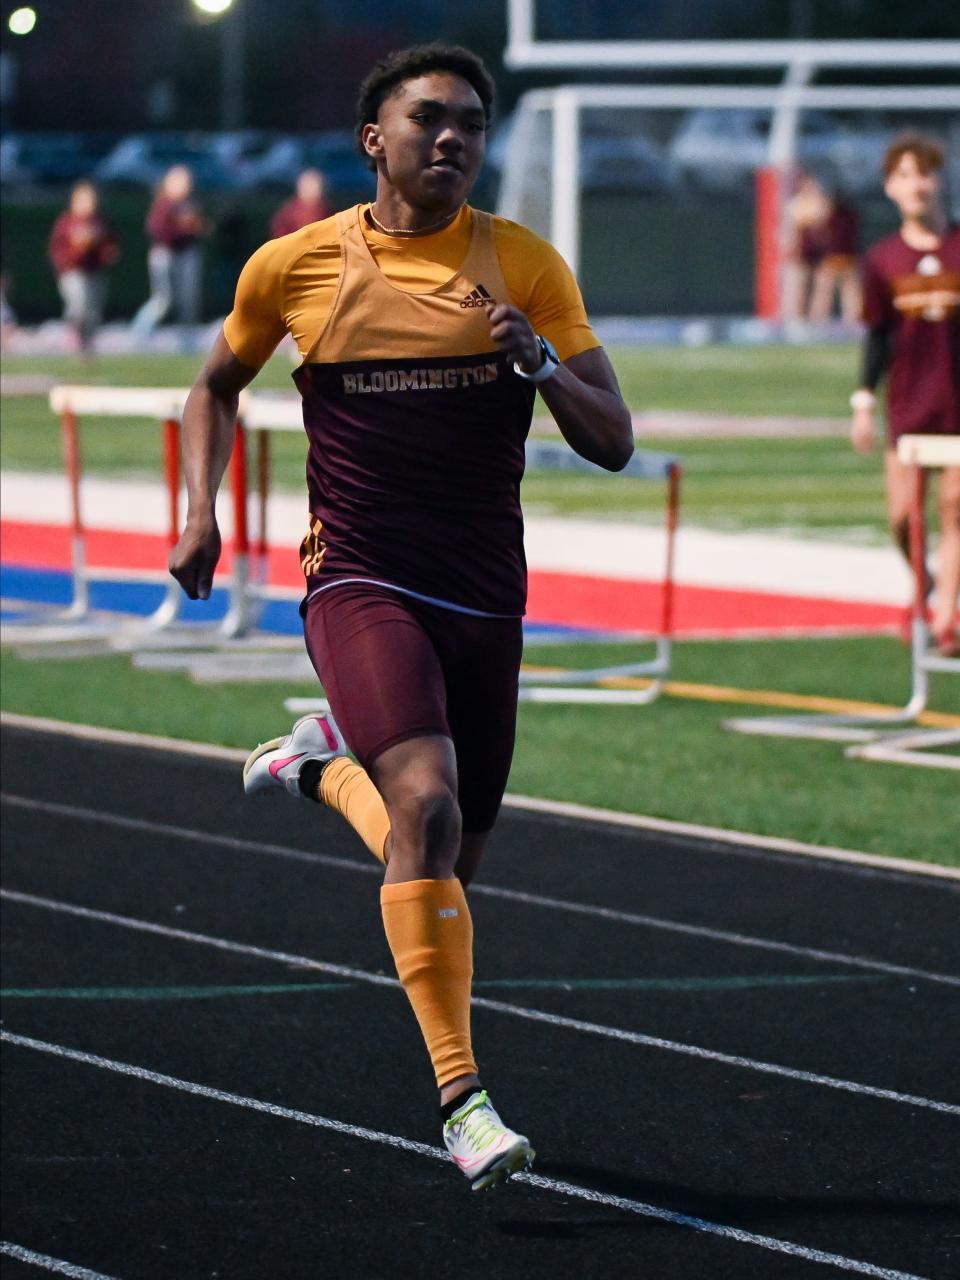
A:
(672, 760)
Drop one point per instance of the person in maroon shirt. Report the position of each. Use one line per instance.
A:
(175, 225)
(837, 269)
(82, 245)
(911, 308)
(308, 205)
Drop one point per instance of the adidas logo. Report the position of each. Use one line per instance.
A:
(478, 297)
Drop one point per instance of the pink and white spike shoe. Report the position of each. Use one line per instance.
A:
(278, 763)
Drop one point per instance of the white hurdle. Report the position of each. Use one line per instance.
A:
(587, 686)
(894, 737)
(80, 628)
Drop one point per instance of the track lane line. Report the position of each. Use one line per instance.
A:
(483, 1002)
(723, 839)
(554, 1185)
(122, 822)
(43, 1260)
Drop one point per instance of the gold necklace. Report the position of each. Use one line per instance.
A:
(420, 231)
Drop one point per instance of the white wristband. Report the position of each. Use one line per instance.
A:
(546, 370)
(863, 399)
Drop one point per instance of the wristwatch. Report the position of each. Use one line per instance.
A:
(548, 365)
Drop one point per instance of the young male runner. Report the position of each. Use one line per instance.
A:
(426, 328)
(911, 304)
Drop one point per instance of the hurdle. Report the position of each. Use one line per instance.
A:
(894, 738)
(587, 686)
(80, 629)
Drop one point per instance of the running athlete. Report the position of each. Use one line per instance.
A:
(911, 305)
(426, 328)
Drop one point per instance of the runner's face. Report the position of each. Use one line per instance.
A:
(429, 140)
(911, 190)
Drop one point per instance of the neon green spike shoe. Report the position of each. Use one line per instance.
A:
(482, 1146)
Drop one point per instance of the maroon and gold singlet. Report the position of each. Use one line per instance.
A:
(416, 421)
(914, 295)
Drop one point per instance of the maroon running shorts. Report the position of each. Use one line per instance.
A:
(395, 668)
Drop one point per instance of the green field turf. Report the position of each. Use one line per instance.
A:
(671, 759)
(815, 485)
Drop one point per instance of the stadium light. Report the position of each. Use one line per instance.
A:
(22, 21)
(215, 7)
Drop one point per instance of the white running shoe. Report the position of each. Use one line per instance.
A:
(482, 1146)
(278, 763)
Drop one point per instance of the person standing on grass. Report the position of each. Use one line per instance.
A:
(911, 307)
(426, 328)
(308, 205)
(175, 225)
(82, 246)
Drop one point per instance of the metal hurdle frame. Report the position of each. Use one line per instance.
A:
(80, 629)
(587, 686)
(896, 737)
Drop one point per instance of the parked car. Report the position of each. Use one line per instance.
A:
(611, 159)
(719, 148)
(142, 159)
(50, 158)
(333, 152)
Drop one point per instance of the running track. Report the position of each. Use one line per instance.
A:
(733, 1062)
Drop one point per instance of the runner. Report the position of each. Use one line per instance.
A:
(426, 328)
(912, 313)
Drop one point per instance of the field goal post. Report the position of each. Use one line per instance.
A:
(800, 60)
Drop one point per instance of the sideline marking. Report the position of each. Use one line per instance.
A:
(540, 984)
(583, 813)
(49, 1264)
(758, 697)
(483, 1002)
(483, 890)
(434, 1153)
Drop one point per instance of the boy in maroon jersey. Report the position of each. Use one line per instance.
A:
(308, 205)
(175, 225)
(911, 308)
(82, 245)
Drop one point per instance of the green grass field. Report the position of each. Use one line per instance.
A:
(672, 759)
(818, 486)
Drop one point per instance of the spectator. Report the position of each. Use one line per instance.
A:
(838, 271)
(175, 225)
(308, 205)
(808, 211)
(82, 245)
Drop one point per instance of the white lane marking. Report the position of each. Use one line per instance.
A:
(482, 1002)
(49, 1264)
(850, 860)
(483, 890)
(435, 1153)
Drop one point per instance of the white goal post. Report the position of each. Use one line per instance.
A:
(526, 52)
(565, 105)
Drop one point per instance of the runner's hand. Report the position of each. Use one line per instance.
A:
(194, 558)
(863, 434)
(513, 333)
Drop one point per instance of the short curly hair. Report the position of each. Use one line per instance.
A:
(419, 60)
(928, 153)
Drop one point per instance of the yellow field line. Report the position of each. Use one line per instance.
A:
(766, 698)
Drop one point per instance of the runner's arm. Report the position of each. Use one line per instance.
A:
(207, 432)
(583, 395)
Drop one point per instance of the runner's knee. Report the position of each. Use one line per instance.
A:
(425, 828)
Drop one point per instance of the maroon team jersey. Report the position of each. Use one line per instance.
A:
(914, 295)
(416, 425)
